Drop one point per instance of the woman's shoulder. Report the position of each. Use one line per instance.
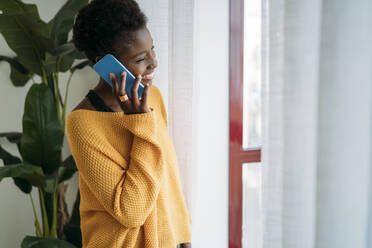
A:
(157, 99)
(82, 116)
(84, 104)
(78, 109)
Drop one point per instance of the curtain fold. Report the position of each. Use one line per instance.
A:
(317, 112)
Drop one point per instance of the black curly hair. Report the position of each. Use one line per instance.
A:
(101, 23)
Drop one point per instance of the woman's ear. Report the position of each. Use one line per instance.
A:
(98, 58)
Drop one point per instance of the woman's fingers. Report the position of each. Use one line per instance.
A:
(134, 91)
(114, 84)
(119, 90)
(132, 105)
(123, 77)
(145, 94)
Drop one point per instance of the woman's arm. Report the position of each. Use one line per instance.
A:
(127, 191)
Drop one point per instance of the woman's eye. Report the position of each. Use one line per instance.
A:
(140, 60)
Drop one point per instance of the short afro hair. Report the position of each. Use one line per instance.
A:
(101, 23)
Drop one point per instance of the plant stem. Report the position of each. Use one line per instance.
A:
(59, 59)
(65, 101)
(56, 90)
(44, 213)
(58, 93)
(53, 228)
(37, 223)
(45, 81)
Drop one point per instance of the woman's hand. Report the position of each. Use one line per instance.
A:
(131, 105)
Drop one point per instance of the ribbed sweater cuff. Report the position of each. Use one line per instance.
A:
(143, 125)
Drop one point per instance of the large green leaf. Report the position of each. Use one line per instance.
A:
(62, 22)
(13, 137)
(31, 173)
(77, 54)
(28, 37)
(8, 159)
(61, 59)
(81, 65)
(69, 53)
(67, 170)
(36, 242)
(15, 64)
(50, 63)
(19, 74)
(17, 6)
(18, 79)
(42, 137)
(64, 49)
(66, 63)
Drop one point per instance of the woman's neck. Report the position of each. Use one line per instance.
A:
(104, 90)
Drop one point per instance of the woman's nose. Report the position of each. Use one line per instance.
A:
(154, 63)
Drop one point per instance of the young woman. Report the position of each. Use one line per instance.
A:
(128, 173)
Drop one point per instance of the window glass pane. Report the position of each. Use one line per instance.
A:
(252, 216)
(252, 74)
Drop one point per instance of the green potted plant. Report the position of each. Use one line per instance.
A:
(42, 52)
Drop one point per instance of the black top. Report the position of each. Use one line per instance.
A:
(97, 102)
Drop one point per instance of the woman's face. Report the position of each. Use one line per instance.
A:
(139, 56)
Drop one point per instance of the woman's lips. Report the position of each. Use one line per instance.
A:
(149, 76)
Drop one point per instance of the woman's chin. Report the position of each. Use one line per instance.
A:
(146, 81)
(149, 76)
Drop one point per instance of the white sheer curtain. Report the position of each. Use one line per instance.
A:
(181, 87)
(317, 124)
(171, 25)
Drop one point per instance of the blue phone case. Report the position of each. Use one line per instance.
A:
(109, 64)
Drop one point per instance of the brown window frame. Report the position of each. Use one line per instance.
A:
(237, 154)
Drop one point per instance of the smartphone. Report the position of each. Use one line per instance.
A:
(109, 64)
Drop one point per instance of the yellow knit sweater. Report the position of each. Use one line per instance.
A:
(128, 178)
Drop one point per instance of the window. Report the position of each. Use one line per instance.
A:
(245, 124)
